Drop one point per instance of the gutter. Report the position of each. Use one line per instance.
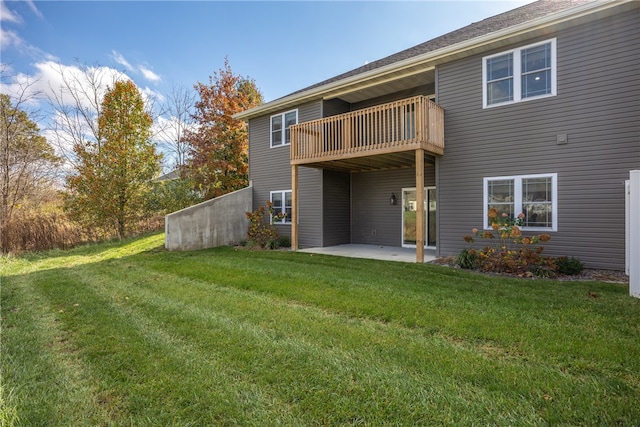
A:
(423, 59)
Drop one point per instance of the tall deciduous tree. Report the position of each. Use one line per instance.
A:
(218, 160)
(114, 173)
(27, 161)
(76, 105)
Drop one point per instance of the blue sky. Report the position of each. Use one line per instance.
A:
(283, 46)
(163, 45)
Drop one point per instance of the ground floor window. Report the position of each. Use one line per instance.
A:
(533, 195)
(281, 203)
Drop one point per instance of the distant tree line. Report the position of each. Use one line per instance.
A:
(94, 173)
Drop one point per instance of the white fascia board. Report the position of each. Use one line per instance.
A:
(428, 59)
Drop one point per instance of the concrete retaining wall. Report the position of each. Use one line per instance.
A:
(216, 222)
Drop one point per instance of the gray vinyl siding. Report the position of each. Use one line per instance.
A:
(334, 107)
(337, 106)
(269, 170)
(597, 106)
(428, 89)
(310, 207)
(337, 208)
(374, 220)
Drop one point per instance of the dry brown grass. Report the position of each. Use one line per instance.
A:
(37, 231)
(43, 230)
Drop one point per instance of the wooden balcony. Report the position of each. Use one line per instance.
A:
(379, 137)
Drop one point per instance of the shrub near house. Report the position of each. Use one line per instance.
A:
(509, 251)
(262, 235)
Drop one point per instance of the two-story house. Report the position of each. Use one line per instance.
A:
(534, 111)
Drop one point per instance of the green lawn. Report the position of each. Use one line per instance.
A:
(129, 334)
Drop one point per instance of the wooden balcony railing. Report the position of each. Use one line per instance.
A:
(402, 125)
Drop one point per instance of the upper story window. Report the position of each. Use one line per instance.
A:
(536, 196)
(280, 123)
(519, 74)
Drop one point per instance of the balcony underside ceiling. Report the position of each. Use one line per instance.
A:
(399, 160)
(384, 85)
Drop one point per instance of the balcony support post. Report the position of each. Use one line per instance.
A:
(420, 211)
(294, 207)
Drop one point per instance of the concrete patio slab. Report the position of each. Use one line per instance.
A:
(386, 253)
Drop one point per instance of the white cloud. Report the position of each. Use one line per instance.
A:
(84, 81)
(151, 96)
(138, 69)
(8, 15)
(166, 128)
(23, 88)
(9, 38)
(167, 131)
(34, 9)
(60, 133)
(149, 75)
(68, 84)
(121, 60)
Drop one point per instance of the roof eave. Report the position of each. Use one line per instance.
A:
(428, 59)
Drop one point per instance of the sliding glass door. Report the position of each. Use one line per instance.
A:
(409, 208)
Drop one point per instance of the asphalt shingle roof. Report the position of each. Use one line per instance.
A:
(504, 20)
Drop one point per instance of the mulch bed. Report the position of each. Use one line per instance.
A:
(601, 275)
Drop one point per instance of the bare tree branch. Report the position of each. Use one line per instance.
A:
(76, 106)
(175, 119)
(27, 160)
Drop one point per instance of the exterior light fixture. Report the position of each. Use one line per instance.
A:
(392, 199)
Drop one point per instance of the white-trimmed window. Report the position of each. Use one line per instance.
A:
(280, 124)
(536, 196)
(281, 203)
(520, 74)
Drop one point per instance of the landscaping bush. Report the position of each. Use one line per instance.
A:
(260, 233)
(509, 252)
(468, 259)
(569, 265)
(284, 242)
(546, 269)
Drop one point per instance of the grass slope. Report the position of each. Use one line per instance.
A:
(129, 334)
